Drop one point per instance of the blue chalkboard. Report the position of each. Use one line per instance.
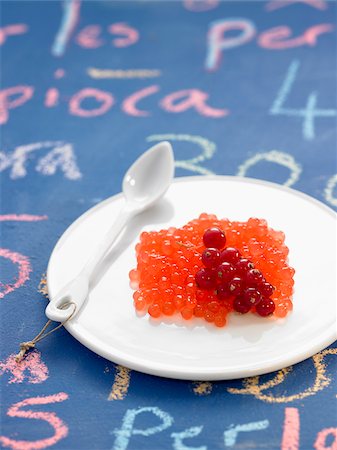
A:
(238, 87)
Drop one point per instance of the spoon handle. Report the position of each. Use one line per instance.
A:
(106, 243)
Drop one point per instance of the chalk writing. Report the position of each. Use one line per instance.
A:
(181, 101)
(105, 100)
(309, 113)
(70, 18)
(252, 386)
(230, 435)
(273, 39)
(31, 368)
(129, 35)
(276, 38)
(24, 269)
(320, 443)
(291, 430)
(121, 383)
(174, 102)
(202, 387)
(277, 157)
(193, 164)
(187, 434)
(21, 95)
(59, 427)
(12, 30)
(217, 42)
(21, 218)
(124, 434)
(328, 191)
(129, 104)
(102, 74)
(276, 4)
(200, 5)
(90, 36)
(61, 157)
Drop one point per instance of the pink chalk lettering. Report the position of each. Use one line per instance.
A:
(217, 40)
(12, 30)
(277, 4)
(276, 38)
(200, 5)
(21, 217)
(24, 270)
(130, 35)
(320, 443)
(181, 101)
(52, 97)
(129, 104)
(31, 368)
(105, 98)
(291, 430)
(89, 37)
(21, 95)
(59, 427)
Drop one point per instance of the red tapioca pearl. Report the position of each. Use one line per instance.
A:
(168, 308)
(278, 236)
(285, 289)
(190, 289)
(164, 283)
(179, 302)
(134, 275)
(166, 248)
(255, 247)
(178, 289)
(154, 310)
(191, 301)
(219, 320)
(198, 310)
(140, 304)
(201, 295)
(213, 306)
(136, 294)
(209, 316)
(175, 278)
(189, 279)
(265, 308)
(187, 313)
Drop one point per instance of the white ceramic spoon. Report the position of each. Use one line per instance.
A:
(144, 183)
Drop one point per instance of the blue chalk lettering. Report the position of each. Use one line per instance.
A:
(231, 434)
(309, 113)
(189, 433)
(123, 435)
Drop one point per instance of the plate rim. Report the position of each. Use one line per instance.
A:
(159, 369)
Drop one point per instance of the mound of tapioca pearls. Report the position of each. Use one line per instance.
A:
(211, 267)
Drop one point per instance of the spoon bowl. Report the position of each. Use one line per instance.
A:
(149, 176)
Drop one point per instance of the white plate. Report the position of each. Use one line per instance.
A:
(248, 345)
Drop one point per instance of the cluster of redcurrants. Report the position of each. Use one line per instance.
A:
(232, 277)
